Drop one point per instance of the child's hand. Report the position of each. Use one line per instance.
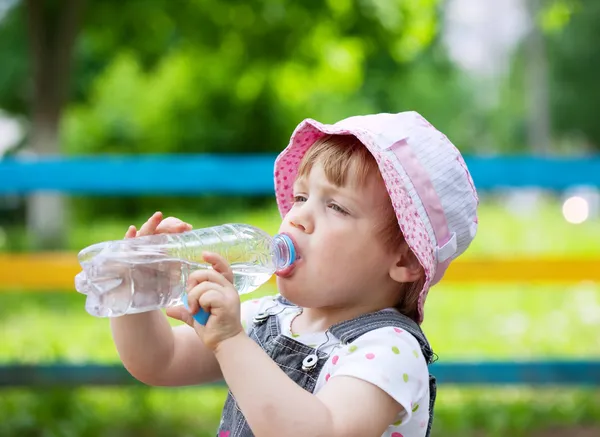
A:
(213, 291)
(152, 278)
(156, 225)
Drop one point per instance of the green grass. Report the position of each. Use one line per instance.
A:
(483, 321)
(502, 232)
(476, 323)
(518, 322)
(161, 412)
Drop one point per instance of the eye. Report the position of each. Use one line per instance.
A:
(298, 199)
(338, 209)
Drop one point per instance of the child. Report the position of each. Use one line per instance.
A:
(377, 207)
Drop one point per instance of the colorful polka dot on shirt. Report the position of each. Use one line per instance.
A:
(370, 356)
(397, 434)
(335, 359)
(352, 348)
(395, 350)
(405, 377)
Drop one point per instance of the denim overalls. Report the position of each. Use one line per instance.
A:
(303, 363)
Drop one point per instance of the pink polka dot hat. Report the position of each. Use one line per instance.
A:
(428, 182)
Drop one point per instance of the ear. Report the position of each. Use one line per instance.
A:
(406, 266)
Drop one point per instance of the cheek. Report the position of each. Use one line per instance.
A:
(350, 255)
(338, 252)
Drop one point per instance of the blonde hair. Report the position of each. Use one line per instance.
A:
(338, 154)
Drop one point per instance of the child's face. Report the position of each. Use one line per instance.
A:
(343, 259)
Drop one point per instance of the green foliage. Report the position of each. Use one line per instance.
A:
(557, 14)
(195, 412)
(575, 59)
(516, 321)
(160, 76)
(570, 34)
(14, 86)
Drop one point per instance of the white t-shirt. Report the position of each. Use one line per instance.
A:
(388, 358)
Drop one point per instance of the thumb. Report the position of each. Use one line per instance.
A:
(181, 314)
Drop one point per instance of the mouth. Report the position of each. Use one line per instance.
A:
(287, 272)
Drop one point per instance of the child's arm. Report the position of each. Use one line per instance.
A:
(156, 354)
(149, 348)
(274, 405)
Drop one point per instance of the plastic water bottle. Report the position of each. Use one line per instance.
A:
(146, 273)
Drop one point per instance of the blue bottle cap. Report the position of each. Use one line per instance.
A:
(291, 248)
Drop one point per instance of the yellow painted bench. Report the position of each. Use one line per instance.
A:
(55, 271)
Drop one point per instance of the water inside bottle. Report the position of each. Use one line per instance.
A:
(161, 284)
(247, 278)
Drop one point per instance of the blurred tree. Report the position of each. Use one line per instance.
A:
(158, 76)
(51, 28)
(570, 31)
(574, 55)
(234, 76)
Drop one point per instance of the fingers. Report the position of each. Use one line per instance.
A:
(219, 264)
(196, 293)
(131, 232)
(181, 314)
(172, 225)
(151, 224)
(207, 275)
(156, 225)
(212, 299)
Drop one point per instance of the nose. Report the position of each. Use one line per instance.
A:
(298, 225)
(301, 220)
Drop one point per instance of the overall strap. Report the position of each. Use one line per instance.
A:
(350, 330)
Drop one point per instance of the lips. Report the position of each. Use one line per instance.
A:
(287, 272)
